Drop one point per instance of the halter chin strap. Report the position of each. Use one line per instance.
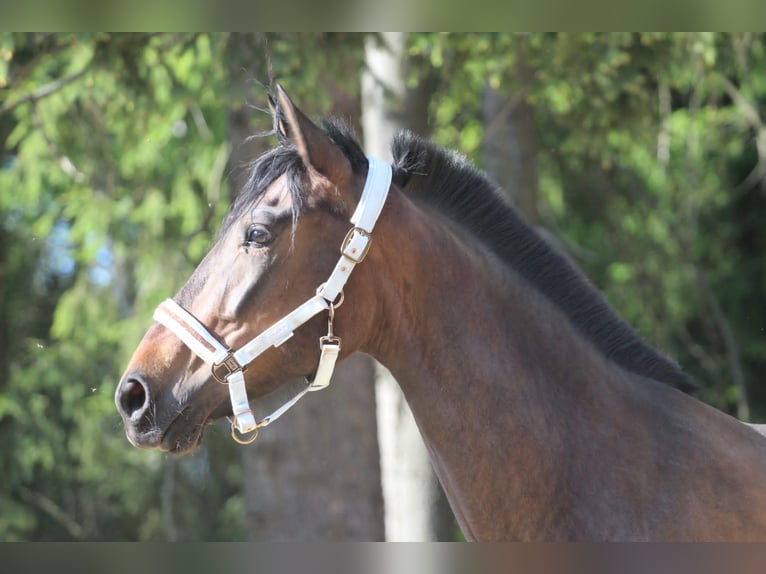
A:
(228, 366)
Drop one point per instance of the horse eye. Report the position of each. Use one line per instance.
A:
(257, 236)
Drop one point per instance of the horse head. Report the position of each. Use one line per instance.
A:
(271, 261)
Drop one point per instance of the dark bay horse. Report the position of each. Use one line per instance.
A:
(545, 415)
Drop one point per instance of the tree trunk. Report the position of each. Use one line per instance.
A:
(315, 474)
(510, 138)
(416, 508)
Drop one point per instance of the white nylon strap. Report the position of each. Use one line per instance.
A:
(337, 281)
(365, 216)
(374, 194)
(240, 405)
(281, 331)
(265, 421)
(245, 422)
(327, 360)
(193, 333)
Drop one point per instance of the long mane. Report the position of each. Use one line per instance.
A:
(446, 181)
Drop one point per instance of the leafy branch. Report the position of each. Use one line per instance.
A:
(52, 509)
(44, 91)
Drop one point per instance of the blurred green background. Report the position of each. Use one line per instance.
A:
(643, 156)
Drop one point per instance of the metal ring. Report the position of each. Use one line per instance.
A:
(240, 437)
(338, 300)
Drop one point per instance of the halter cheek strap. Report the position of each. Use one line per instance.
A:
(228, 366)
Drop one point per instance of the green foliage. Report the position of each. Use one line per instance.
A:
(648, 151)
(113, 175)
(115, 153)
(114, 157)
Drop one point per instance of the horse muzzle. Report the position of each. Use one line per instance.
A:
(152, 425)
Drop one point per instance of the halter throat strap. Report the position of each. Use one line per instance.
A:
(228, 366)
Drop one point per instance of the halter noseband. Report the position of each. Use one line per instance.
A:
(228, 366)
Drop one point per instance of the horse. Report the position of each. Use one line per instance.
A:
(545, 415)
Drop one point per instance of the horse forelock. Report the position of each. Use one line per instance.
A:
(264, 171)
(285, 160)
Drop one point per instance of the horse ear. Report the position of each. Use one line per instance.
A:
(316, 149)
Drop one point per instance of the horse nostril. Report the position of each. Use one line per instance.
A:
(133, 397)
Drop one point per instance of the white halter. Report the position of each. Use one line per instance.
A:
(228, 366)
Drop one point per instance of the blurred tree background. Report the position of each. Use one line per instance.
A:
(642, 156)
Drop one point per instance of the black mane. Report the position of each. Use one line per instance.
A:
(446, 181)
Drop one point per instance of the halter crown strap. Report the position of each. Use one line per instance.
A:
(357, 242)
(373, 195)
(228, 366)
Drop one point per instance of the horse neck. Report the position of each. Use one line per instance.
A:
(491, 370)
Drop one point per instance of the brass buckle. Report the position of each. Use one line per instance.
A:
(353, 256)
(230, 364)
